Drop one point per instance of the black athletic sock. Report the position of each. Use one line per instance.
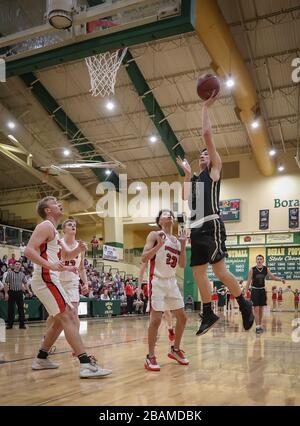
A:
(241, 301)
(42, 354)
(207, 310)
(84, 358)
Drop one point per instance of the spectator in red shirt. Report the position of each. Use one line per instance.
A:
(129, 291)
(95, 244)
(12, 260)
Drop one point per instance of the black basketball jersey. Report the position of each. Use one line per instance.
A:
(259, 276)
(208, 193)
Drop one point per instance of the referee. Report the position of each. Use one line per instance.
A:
(15, 284)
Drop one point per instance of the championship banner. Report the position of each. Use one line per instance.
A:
(284, 262)
(263, 219)
(110, 253)
(294, 218)
(237, 262)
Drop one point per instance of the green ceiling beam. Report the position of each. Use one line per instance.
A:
(125, 38)
(154, 110)
(66, 125)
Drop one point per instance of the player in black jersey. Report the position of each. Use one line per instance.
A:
(207, 228)
(256, 279)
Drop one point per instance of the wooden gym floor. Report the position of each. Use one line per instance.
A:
(227, 366)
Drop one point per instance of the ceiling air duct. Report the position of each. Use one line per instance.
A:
(215, 34)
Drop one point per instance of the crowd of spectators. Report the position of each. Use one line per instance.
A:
(102, 285)
(108, 286)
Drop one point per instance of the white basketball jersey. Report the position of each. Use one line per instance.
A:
(71, 276)
(49, 251)
(165, 262)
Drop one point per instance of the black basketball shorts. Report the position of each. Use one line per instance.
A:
(208, 243)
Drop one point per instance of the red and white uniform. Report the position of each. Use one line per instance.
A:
(274, 295)
(164, 291)
(45, 283)
(70, 280)
(248, 295)
(279, 296)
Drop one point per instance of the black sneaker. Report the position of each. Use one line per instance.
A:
(247, 315)
(23, 327)
(206, 323)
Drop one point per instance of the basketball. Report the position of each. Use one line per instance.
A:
(206, 85)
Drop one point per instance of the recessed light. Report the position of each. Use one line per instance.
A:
(153, 138)
(254, 124)
(230, 82)
(107, 172)
(11, 125)
(272, 152)
(110, 105)
(66, 152)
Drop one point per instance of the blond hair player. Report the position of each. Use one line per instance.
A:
(43, 249)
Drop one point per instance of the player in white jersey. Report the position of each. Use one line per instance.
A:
(165, 252)
(70, 280)
(167, 313)
(43, 249)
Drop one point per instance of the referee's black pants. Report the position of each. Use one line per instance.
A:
(15, 297)
(129, 304)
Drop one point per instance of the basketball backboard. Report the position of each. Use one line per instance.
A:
(25, 30)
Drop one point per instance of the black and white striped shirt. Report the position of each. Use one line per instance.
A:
(15, 280)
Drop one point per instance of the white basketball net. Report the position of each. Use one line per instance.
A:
(103, 71)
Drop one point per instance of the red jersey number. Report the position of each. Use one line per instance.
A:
(171, 260)
(70, 263)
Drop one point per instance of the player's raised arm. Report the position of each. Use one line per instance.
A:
(182, 258)
(186, 189)
(216, 162)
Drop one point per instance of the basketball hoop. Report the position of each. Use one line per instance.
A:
(103, 71)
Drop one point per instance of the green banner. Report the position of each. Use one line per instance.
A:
(32, 310)
(284, 262)
(190, 287)
(237, 263)
(105, 308)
